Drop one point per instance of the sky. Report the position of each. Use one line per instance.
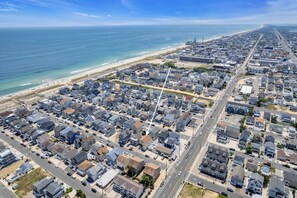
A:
(40, 13)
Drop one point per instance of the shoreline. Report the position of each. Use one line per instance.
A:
(104, 69)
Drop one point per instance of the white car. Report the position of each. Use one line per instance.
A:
(179, 173)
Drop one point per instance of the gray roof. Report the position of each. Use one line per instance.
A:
(270, 145)
(238, 171)
(256, 176)
(39, 185)
(239, 158)
(276, 182)
(95, 169)
(53, 188)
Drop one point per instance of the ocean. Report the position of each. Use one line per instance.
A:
(32, 56)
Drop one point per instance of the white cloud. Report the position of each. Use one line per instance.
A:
(87, 15)
(47, 3)
(7, 7)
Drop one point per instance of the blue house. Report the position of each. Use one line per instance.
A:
(71, 137)
(112, 156)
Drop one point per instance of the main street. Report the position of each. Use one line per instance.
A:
(57, 172)
(174, 181)
(286, 46)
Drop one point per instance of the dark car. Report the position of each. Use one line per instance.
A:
(93, 190)
(84, 183)
(225, 194)
(230, 189)
(162, 184)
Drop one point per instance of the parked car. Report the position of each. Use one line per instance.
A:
(93, 190)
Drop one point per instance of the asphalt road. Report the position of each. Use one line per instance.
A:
(57, 172)
(179, 171)
(286, 46)
(5, 192)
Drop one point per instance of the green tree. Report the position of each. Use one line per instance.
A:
(80, 193)
(257, 138)
(242, 124)
(130, 171)
(170, 64)
(274, 119)
(147, 181)
(249, 149)
(251, 111)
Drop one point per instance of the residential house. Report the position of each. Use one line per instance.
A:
(213, 168)
(243, 139)
(54, 190)
(123, 161)
(260, 123)
(286, 117)
(277, 188)
(237, 176)
(137, 127)
(135, 138)
(83, 167)
(255, 183)
(79, 157)
(276, 128)
(112, 156)
(183, 121)
(290, 178)
(85, 142)
(252, 167)
(95, 171)
(163, 151)
(256, 147)
(71, 136)
(136, 164)
(269, 149)
(169, 120)
(21, 171)
(6, 157)
(124, 137)
(144, 142)
(218, 153)
(40, 186)
(163, 135)
(127, 187)
(238, 161)
(152, 170)
(250, 120)
(154, 132)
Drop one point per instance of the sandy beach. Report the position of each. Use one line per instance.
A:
(99, 71)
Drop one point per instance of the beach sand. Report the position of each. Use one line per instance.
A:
(101, 70)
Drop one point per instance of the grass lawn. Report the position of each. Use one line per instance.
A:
(25, 183)
(192, 191)
(222, 196)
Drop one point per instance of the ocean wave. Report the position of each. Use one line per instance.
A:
(106, 63)
(143, 53)
(25, 84)
(79, 70)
